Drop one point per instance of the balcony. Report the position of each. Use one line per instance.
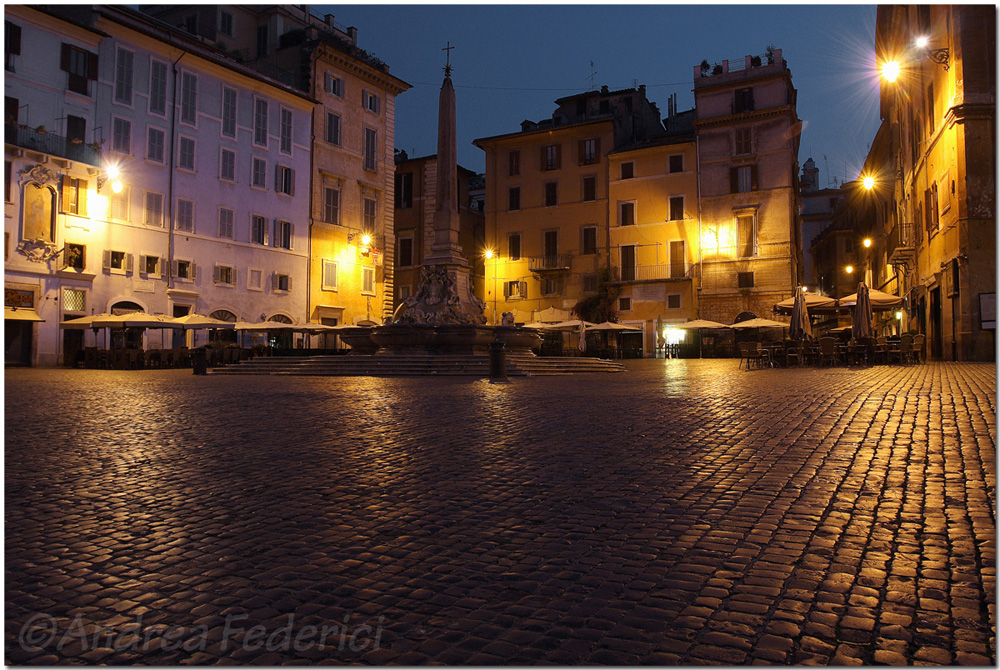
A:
(663, 272)
(901, 245)
(552, 263)
(51, 144)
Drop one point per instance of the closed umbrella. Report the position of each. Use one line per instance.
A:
(861, 319)
(659, 334)
(800, 327)
(582, 344)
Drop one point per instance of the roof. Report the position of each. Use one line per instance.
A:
(524, 133)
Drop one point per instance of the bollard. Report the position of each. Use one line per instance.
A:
(498, 361)
(199, 361)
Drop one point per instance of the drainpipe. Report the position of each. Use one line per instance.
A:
(701, 265)
(170, 186)
(312, 176)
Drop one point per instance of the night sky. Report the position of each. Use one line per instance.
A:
(512, 61)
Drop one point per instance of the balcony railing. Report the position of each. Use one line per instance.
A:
(901, 243)
(53, 145)
(552, 262)
(652, 272)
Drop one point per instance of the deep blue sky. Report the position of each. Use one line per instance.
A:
(512, 61)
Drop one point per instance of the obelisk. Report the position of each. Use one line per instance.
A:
(445, 295)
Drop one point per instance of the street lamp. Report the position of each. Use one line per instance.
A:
(867, 242)
(939, 56)
(890, 70)
(849, 269)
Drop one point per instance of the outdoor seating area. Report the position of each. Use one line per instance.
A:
(828, 351)
(139, 359)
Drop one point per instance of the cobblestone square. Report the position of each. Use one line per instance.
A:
(682, 512)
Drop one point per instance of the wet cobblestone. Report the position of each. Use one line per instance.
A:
(685, 512)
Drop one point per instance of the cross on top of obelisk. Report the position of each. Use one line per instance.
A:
(447, 65)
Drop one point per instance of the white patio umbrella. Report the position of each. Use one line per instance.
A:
(861, 319)
(552, 315)
(199, 322)
(607, 325)
(817, 304)
(85, 323)
(800, 328)
(536, 324)
(881, 301)
(138, 320)
(568, 326)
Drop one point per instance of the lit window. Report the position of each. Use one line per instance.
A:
(329, 275)
(368, 281)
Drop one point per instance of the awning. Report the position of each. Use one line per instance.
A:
(21, 314)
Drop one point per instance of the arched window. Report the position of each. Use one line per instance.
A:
(223, 315)
(280, 318)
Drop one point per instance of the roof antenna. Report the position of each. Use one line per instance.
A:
(592, 73)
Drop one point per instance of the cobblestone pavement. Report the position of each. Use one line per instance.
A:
(685, 512)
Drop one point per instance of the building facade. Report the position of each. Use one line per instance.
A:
(934, 170)
(747, 133)
(816, 209)
(146, 172)
(415, 204)
(351, 278)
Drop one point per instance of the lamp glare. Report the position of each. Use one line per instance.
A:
(869, 183)
(116, 186)
(867, 242)
(890, 70)
(850, 269)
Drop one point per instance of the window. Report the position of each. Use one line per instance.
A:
(589, 150)
(515, 289)
(262, 35)
(185, 154)
(331, 205)
(676, 163)
(260, 122)
(228, 112)
(677, 259)
(227, 165)
(627, 170)
(369, 213)
(929, 101)
(933, 216)
(258, 229)
(226, 23)
(284, 180)
(189, 98)
(743, 101)
(226, 219)
(255, 280)
(624, 304)
(117, 262)
(589, 244)
(550, 246)
(185, 270)
(10, 109)
(551, 286)
(674, 301)
(11, 44)
(329, 282)
(589, 189)
(405, 252)
(626, 213)
(628, 262)
(514, 246)
(744, 280)
(368, 281)
(80, 65)
(74, 195)
(123, 76)
(371, 102)
(404, 190)
(285, 131)
(74, 300)
(282, 234)
(743, 141)
(185, 215)
(223, 274)
(371, 149)
(514, 198)
(333, 128)
(848, 245)
(158, 88)
(677, 208)
(333, 85)
(743, 179)
(746, 236)
(154, 144)
(121, 140)
(119, 204)
(590, 283)
(550, 157)
(258, 177)
(7, 166)
(551, 199)
(75, 257)
(149, 265)
(154, 209)
(514, 163)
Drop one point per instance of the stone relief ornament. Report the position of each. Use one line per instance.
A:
(38, 251)
(437, 302)
(38, 174)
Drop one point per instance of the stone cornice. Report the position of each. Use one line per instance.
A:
(329, 54)
(755, 115)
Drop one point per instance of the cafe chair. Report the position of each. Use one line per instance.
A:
(828, 351)
(918, 348)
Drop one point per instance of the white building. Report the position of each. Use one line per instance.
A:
(210, 156)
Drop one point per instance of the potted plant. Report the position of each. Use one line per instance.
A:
(717, 68)
(705, 67)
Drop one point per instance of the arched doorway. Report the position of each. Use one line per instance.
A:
(126, 338)
(222, 335)
(280, 339)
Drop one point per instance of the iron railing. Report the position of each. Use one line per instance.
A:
(51, 144)
(653, 272)
(551, 262)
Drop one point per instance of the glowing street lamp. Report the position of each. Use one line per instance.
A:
(890, 70)
(867, 242)
(849, 269)
(869, 182)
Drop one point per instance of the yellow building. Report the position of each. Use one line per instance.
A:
(934, 231)
(547, 208)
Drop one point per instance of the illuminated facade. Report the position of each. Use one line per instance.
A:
(416, 180)
(209, 156)
(747, 133)
(353, 138)
(933, 164)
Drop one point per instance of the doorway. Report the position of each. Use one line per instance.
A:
(936, 323)
(178, 337)
(17, 342)
(72, 347)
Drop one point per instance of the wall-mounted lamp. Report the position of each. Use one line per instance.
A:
(939, 56)
(849, 269)
(112, 174)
